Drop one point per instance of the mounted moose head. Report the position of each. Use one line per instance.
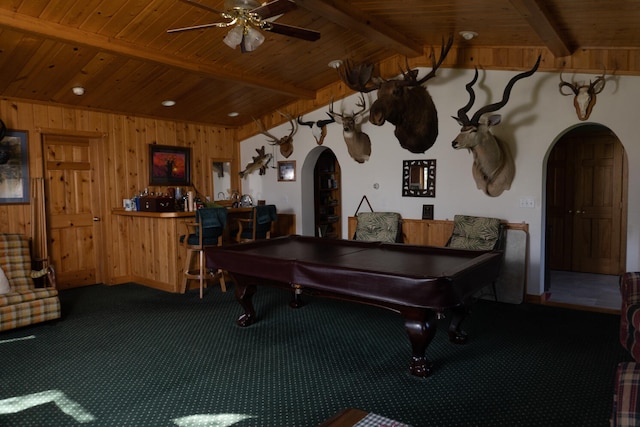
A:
(404, 103)
(584, 95)
(286, 142)
(318, 129)
(358, 142)
(493, 167)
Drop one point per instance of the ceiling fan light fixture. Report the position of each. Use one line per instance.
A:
(241, 4)
(252, 39)
(335, 64)
(233, 37)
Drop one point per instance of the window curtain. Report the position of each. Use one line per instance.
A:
(39, 222)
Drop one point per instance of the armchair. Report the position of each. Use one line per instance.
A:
(21, 302)
(379, 227)
(477, 233)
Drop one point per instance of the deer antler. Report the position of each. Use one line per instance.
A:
(333, 113)
(363, 104)
(264, 132)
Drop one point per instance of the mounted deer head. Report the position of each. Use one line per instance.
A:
(584, 95)
(286, 142)
(358, 142)
(318, 129)
(493, 166)
(404, 103)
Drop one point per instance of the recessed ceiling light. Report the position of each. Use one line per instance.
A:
(468, 35)
(78, 90)
(335, 64)
(168, 103)
(233, 114)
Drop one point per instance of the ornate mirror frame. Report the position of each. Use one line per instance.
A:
(419, 178)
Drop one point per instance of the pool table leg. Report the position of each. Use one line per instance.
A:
(421, 326)
(456, 334)
(244, 294)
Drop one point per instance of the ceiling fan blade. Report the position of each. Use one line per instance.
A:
(276, 7)
(198, 27)
(290, 30)
(202, 6)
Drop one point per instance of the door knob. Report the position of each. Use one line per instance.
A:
(96, 219)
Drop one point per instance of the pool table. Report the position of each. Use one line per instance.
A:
(418, 282)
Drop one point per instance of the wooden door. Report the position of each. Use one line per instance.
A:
(597, 205)
(71, 201)
(559, 211)
(586, 179)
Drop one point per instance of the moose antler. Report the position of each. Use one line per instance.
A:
(444, 50)
(358, 77)
(462, 113)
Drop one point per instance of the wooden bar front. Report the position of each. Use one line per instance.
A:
(150, 249)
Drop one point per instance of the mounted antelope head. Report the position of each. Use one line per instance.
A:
(493, 166)
(286, 142)
(584, 95)
(358, 142)
(404, 103)
(318, 129)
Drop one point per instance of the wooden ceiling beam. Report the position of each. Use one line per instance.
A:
(369, 27)
(46, 29)
(540, 19)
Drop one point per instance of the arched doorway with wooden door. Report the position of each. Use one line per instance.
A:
(585, 216)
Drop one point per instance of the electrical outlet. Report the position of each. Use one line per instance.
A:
(527, 202)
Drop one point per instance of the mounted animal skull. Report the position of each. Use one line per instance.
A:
(358, 142)
(404, 103)
(493, 166)
(286, 142)
(584, 95)
(318, 129)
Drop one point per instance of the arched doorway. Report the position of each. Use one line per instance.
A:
(585, 215)
(309, 189)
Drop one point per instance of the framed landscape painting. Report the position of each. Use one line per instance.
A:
(169, 165)
(14, 168)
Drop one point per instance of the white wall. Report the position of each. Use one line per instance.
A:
(534, 118)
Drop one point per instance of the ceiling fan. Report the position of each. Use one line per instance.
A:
(247, 17)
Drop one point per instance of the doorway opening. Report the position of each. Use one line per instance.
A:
(585, 217)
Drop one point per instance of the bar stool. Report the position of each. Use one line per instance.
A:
(205, 232)
(258, 226)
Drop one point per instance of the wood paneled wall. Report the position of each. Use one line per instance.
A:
(123, 169)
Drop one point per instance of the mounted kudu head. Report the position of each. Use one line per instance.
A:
(318, 128)
(358, 142)
(493, 166)
(584, 95)
(286, 142)
(404, 102)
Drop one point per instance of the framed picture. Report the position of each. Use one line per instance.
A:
(287, 170)
(427, 211)
(169, 165)
(14, 168)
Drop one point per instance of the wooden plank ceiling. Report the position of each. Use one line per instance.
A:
(120, 51)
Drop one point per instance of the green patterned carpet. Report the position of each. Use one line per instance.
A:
(133, 356)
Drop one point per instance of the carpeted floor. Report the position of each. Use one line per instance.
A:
(133, 356)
